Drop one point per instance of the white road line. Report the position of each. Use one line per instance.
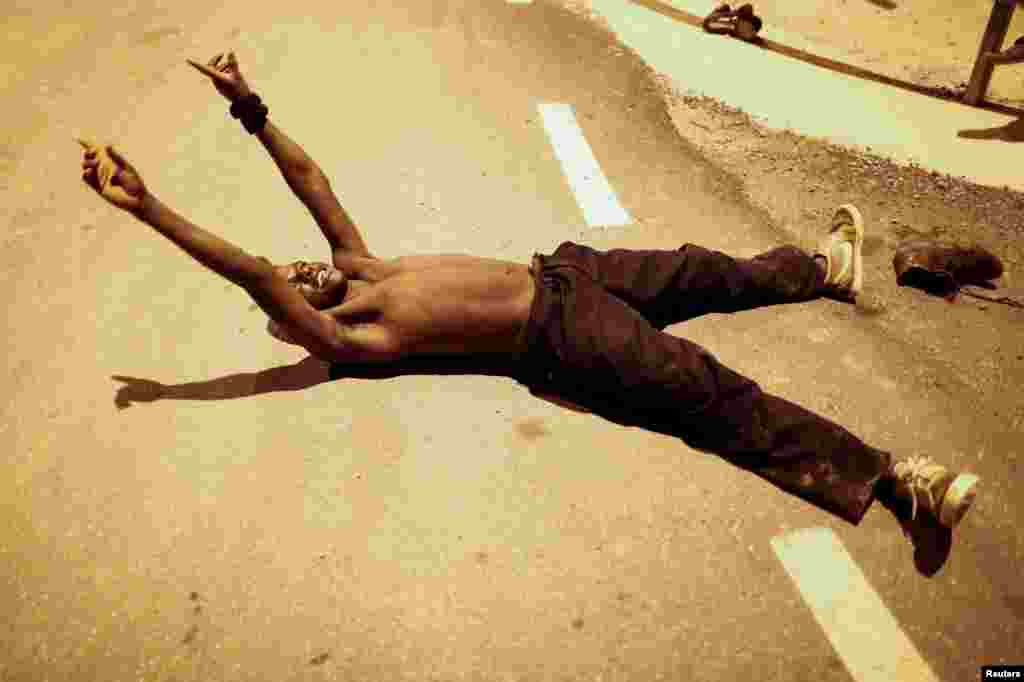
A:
(595, 196)
(862, 631)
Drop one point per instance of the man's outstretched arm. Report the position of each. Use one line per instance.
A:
(117, 181)
(315, 331)
(224, 258)
(310, 184)
(306, 179)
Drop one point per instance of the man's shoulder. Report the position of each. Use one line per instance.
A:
(364, 268)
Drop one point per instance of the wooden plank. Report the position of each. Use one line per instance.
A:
(992, 41)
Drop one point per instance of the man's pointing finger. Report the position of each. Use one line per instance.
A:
(204, 69)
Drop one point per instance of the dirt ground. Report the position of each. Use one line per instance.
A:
(798, 180)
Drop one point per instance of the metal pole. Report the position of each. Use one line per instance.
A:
(992, 41)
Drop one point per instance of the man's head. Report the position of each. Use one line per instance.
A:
(323, 285)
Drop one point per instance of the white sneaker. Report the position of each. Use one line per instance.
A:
(842, 249)
(926, 484)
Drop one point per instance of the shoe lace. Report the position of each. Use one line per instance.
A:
(918, 473)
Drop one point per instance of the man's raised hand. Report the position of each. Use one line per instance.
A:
(226, 76)
(111, 176)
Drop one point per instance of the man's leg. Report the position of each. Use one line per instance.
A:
(667, 287)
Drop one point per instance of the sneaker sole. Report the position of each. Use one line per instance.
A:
(958, 499)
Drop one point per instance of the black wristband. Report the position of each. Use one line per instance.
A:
(252, 112)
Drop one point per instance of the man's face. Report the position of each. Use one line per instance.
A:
(322, 285)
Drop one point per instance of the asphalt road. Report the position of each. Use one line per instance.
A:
(185, 498)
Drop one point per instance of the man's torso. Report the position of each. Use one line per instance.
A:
(446, 304)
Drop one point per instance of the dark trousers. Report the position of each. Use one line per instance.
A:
(595, 332)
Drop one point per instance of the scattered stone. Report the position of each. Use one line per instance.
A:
(190, 635)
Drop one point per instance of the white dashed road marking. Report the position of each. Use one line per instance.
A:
(595, 196)
(862, 631)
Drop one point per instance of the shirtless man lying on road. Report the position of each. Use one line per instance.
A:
(579, 320)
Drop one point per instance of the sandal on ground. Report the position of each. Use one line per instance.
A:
(721, 20)
(741, 23)
(748, 24)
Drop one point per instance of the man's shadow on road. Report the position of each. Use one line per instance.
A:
(310, 372)
(306, 373)
(931, 542)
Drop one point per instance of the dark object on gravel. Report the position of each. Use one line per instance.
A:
(942, 268)
(741, 23)
(721, 20)
(748, 24)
